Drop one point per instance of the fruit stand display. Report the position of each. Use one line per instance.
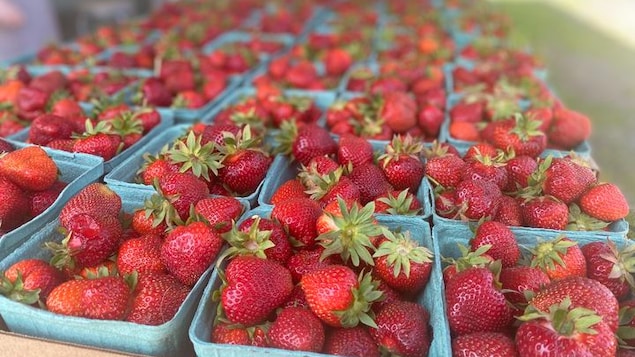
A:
(315, 178)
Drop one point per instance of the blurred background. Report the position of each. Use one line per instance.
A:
(588, 47)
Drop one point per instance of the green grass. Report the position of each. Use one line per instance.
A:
(592, 73)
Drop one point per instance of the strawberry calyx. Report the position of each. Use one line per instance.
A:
(400, 204)
(56, 97)
(564, 320)
(249, 117)
(252, 242)
(364, 296)
(470, 259)
(319, 185)
(625, 331)
(162, 210)
(127, 123)
(368, 127)
(436, 149)
(62, 255)
(623, 262)
(286, 137)
(351, 234)
(243, 140)
(16, 291)
(189, 154)
(401, 251)
(401, 146)
(536, 179)
(526, 127)
(580, 221)
(547, 254)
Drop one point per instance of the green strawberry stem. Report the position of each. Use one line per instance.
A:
(363, 297)
(401, 251)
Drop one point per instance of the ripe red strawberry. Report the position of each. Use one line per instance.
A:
(545, 212)
(67, 108)
(305, 142)
(566, 180)
(144, 220)
(305, 261)
(477, 199)
(48, 127)
(219, 211)
(301, 75)
(489, 168)
(401, 163)
(182, 190)
(287, 191)
(142, 254)
(568, 129)
(154, 92)
(402, 264)
(398, 203)
(398, 111)
(559, 258)
(297, 329)
(371, 182)
(298, 217)
(189, 250)
(610, 266)
(254, 288)
(30, 168)
(564, 329)
(502, 240)
(604, 201)
(99, 140)
(403, 329)
(430, 119)
(583, 292)
(446, 170)
(329, 188)
(31, 102)
(230, 334)
(520, 134)
(445, 204)
(354, 150)
(245, 164)
(261, 237)
(96, 199)
(484, 344)
(338, 297)
(519, 169)
(475, 304)
(516, 280)
(337, 61)
(354, 342)
(5, 146)
(42, 200)
(29, 281)
(102, 298)
(509, 212)
(156, 299)
(15, 205)
(155, 167)
(90, 241)
(149, 118)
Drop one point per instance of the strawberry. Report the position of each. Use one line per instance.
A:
(464, 131)
(149, 118)
(48, 127)
(289, 190)
(337, 61)
(245, 165)
(403, 329)
(338, 297)
(401, 163)
(298, 217)
(468, 259)
(354, 151)
(483, 150)
(559, 258)
(30, 281)
(604, 201)
(398, 111)
(402, 264)
(305, 142)
(467, 112)
(301, 75)
(42, 200)
(230, 334)
(102, 298)
(508, 212)
(519, 169)
(99, 140)
(155, 167)
(154, 92)
(484, 344)
(188, 251)
(328, 188)
(253, 289)
(219, 211)
(502, 240)
(261, 231)
(349, 232)
(520, 134)
(182, 190)
(398, 203)
(31, 102)
(96, 199)
(545, 212)
(610, 266)
(156, 299)
(565, 180)
(305, 261)
(518, 279)
(142, 255)
(489, 167)
(371, 182)
(477, 199)
(475, 303)
(583, 292)
(354, 342)
(68, 109)
(430, 119)
(30, 168)
(446, 170)
(568, 129)
(297, 329)
(90, 241)
(15, 205)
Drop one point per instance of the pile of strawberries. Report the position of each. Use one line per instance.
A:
(568, 298)
(345, 289)
(113, 266)
(28, 184)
